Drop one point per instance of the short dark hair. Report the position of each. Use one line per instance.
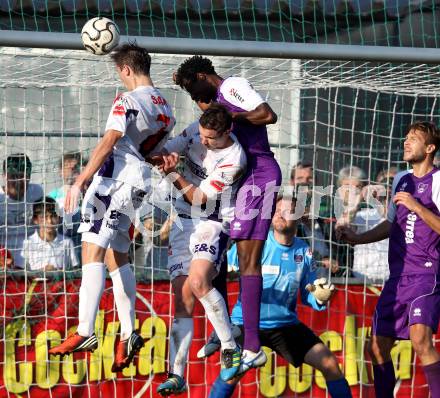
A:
(137, 58)
(430, 130)
(189, 68)
(217, 118)
(47, 205)
(17, 163)
(70, 156)
(302, 164)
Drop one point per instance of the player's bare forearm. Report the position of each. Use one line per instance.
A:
(379, 232)
(191, 193)
(430, 219)
(99, 156)
(261, 115)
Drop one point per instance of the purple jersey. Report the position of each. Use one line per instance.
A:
(414, 246)
(237, 95)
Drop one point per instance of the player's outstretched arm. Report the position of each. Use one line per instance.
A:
(98, 157)
(379, 232)
(261, 115)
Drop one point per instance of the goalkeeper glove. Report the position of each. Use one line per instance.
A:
(321, 290)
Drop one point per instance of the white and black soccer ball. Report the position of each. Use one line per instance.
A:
(100, 35)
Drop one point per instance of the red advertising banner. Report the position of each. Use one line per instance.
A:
(39, 314)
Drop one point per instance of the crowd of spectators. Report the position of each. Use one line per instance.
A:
(31, 229)
(355, 201)
(34, 236)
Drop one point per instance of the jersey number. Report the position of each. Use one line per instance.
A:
(151, 141)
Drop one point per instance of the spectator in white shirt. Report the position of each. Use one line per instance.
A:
(370, 261)
(17, 195)
(46, 249)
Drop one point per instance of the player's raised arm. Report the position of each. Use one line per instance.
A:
(97, 159)
(251, 107)
(99, 156)
(261, 115)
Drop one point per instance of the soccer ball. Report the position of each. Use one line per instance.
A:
(100, 35)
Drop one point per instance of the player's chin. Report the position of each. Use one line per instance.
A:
(413, 157)
(408, 157)
(279, 224)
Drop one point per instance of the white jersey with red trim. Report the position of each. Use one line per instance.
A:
(145, 119)
(215, 171)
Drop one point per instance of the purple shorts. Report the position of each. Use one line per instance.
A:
(256, 200)
(405, 301)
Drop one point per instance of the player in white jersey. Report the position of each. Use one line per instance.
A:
(214, 161)
(139, 122)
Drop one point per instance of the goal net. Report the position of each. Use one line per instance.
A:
(333, 115)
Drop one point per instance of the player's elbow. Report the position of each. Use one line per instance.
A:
(272, 117)
(111, 137)
(265, 115)
(269, 116)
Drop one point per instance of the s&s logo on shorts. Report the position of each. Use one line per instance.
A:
(203, 247)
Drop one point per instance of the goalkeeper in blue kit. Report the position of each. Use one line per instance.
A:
(287, 267)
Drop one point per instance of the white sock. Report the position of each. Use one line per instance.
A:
(124, 291)
(217, 313)
(90, 292)
(181, 335)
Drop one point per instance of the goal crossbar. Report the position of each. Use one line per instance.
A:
(72, 41)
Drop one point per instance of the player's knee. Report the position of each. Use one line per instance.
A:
(330, 368)
(248, 263)
(197, 285)
(375, 350)
(422, 344)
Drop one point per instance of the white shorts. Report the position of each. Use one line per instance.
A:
(108, 212)
(198, 239)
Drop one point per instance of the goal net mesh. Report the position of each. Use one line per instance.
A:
(331, 114)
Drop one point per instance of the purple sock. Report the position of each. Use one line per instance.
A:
(251, 287)
(384, 380)
(432, 373)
